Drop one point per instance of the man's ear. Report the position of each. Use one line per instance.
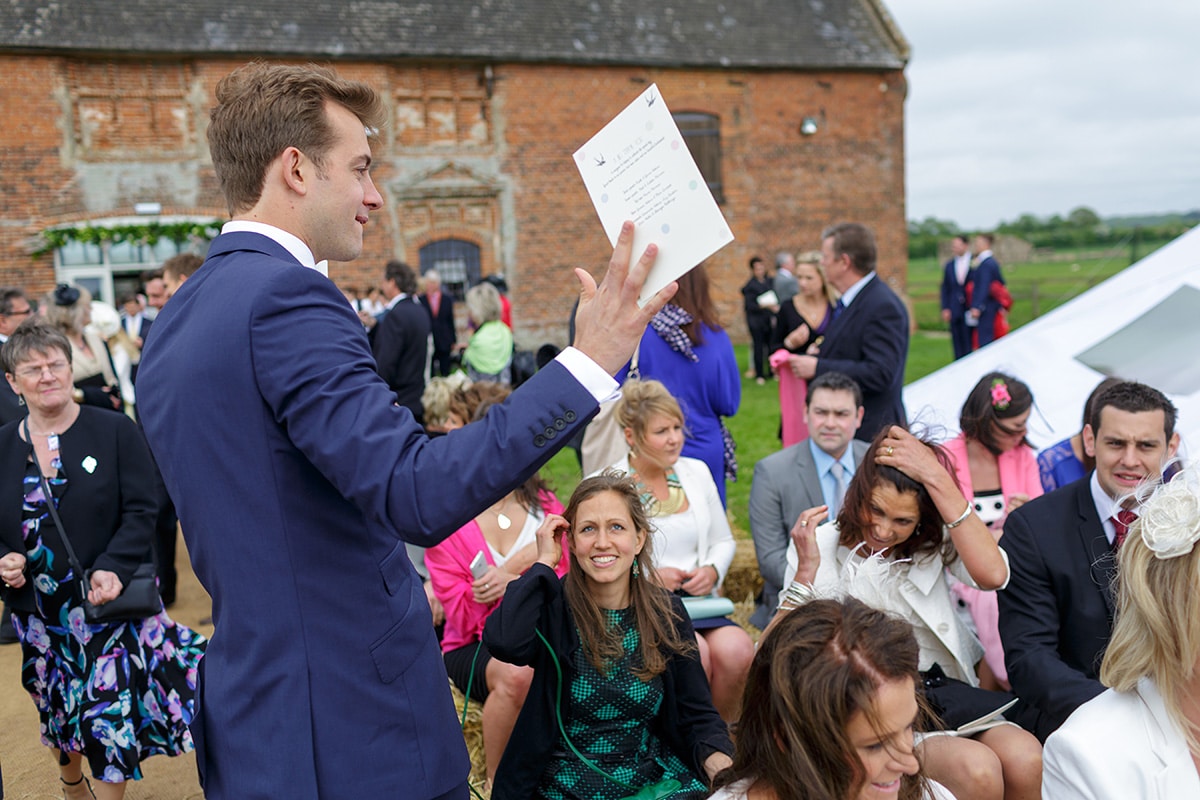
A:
(1089, 440)
(295, 170)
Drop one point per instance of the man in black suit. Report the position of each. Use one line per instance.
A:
(1056, 613)
(810, 473)
(401, 338)
(868, 338)
(440, 305)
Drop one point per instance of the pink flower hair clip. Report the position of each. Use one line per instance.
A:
(1000, 396)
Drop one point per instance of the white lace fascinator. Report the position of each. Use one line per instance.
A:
(1169, 518)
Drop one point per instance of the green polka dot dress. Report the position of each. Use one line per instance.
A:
(609, 718)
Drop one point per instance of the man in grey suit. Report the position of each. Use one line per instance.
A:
(804, 476)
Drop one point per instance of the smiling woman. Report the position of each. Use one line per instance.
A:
(903, 526)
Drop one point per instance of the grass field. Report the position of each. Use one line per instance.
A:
(755, 427)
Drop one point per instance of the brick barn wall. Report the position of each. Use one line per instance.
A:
(86, 139)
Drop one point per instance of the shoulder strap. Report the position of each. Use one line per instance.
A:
(53, 509)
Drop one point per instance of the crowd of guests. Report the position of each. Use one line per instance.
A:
(932, 612)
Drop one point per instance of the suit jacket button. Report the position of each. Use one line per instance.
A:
(539, 441)
(550, 432)
(569, 416)
(559, 424)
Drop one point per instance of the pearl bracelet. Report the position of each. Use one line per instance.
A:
(961, 517)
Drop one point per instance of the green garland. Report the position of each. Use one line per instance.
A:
(141, 233)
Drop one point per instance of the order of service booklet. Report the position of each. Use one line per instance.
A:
(639, 168)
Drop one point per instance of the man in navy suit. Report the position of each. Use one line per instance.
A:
(440, 305)
(299, 480)
(1056, 613)
(984, 307)
(955, 277)
(400, 338)
(868, 338)
(14, 309)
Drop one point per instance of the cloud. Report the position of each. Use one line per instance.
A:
(1028, 107)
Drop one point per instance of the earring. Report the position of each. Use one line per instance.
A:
(20, 399)
(636, 570)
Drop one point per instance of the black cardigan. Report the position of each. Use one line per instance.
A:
(109, 512)
(688, 722)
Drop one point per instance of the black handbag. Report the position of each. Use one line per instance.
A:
(139, 598)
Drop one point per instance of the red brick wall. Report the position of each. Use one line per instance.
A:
(532, 218)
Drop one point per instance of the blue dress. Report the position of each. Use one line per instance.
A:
(116, 692)
(1058, 466)
(707, 390)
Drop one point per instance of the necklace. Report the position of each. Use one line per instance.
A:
(662, 508)
(503, 521)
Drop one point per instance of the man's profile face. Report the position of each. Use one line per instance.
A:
(958, 246)
(156, 293)
(19, 311)
(171, 283)
(832, 419)
(342, 195)
(837, 268)
(1130, 447)
(982, 244)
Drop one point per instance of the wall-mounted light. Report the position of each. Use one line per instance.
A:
(809, 126)
(489, 81)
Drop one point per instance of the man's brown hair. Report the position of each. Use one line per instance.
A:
(262, 109)
(856, 241)
(181, 266)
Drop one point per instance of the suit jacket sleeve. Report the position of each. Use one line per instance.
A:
(391, 340)
(344, 420)
(1029, 629)
(767, 525)
(948, 281)
(884, 343)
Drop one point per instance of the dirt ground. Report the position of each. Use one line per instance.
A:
(30, 772)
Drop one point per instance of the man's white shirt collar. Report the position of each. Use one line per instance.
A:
(287, 241)
(851, 293)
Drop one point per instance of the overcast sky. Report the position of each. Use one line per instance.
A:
(1034, 106)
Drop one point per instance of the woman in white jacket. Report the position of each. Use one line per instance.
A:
(693, 545)
(1141, 738)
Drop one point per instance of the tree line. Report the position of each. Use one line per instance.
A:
(1081, 228)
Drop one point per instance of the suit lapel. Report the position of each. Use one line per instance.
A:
(1102, 561)
(807, 468)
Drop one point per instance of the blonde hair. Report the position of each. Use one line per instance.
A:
(641, 400)
(1157, 630)
(813, 260)
(483, 303)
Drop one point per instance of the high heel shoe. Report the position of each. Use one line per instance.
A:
(82, 779)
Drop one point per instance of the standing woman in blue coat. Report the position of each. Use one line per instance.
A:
(687, 349)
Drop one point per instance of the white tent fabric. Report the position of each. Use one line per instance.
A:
(1141, 324)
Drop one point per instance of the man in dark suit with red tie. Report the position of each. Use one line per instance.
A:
(1056, 613)
(868, 338)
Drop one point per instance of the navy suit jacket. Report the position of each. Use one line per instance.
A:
(298, 481)
(869, 342)
(400, 343)
(1056, 614)
(983, 274)
(954, 294)
(444, 333)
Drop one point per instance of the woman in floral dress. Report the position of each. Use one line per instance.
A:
(112, 693)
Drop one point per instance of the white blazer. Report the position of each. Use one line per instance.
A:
(915, 590)
(1120, 745)
(716, 544)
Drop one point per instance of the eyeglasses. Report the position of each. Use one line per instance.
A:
(24, 313)
(56, 368)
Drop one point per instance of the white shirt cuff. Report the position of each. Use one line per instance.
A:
(590, 375)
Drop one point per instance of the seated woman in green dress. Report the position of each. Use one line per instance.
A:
(619, 700)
